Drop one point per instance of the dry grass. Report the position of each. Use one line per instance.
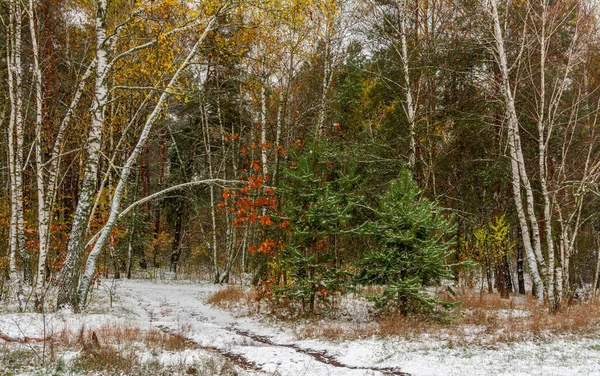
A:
(107, 359)
(483, 319)
(477, 320)
(228, 296)
(522, 317)
(578, 319)
(111, 349)
(385, 325)
(125, 335)
(493, 301)
(370, 290)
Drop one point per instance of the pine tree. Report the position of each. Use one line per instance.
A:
(318, 201)
(412, 238)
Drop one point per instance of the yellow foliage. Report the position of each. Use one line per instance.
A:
(492, 242)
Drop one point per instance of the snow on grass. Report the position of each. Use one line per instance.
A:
(126, 343)
(561, 357)
(224, 342)
(485, 347)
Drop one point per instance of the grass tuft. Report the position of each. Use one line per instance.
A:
(228, 297)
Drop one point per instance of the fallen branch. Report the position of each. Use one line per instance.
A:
(7, 338)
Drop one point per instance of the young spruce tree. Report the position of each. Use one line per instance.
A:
(413, 239)
(318, 201)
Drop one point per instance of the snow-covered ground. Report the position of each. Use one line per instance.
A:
(259, 347)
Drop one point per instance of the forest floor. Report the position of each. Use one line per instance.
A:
(144, 327)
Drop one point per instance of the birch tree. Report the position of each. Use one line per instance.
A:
(15, 151)
(551, 18)
(47, 171)
(69, 277)
(543, 33)
(90, 267)
(72, 290)
(393, 20)
(527, 221)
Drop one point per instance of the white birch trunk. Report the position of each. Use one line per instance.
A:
(263, 137)
(15, 162)
(19, 140)
(319, 129)
(529, 199)
(517, 162)
(16, 282)
(553, 302)
(213, 215)
(231, 230)
(43, 209)
(263, 129)
(50, 188)
(69, 279)
(553, 109)
(115, 206)
(410, 107)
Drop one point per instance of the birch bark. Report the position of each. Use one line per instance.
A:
(90, 267)
(542, 161)
(15, 163)
(410, 107)
(69, 278)
(43, 211)
(263, 128)
(213, 215)
(319, 129)
(547, 121)
(519, 175)
(19, 140)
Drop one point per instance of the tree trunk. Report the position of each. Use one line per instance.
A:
(177, 239)
(115, 206)
(410, 106)
(597, 270)
(69, 278)
(542, 160)
(15, 163)
(320, 125)
(503, 278)
(43, 209)
(517, 163)
(520, 271)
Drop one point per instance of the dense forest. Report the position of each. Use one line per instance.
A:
(305, 145)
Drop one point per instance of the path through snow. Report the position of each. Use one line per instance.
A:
(262, 348)
(182, 308)
(177, 306)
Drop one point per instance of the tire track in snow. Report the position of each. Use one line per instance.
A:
(320, 356)
(168, 299)
(235, 358)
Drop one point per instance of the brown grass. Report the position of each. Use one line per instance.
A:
(107, 350)
(478, 319)
(114, 346)
(107, 359)
(156, 339)
(125, 335)
(579, 318)
(483, 319)
(228, 296)
(493, 301)
(384, 325)
(370, 290)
